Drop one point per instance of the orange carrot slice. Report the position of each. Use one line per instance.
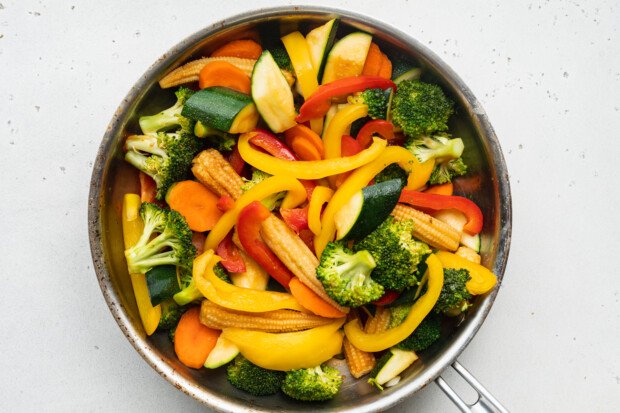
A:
(311, 301)
(374, 60)
(196, 203)
(443, 189)
(193, 341)
(304, 149)
(148, 188)
(246, 49)
(386, 68)
(220, 73)
(306, 133)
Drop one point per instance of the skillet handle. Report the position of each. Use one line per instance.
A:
(486, 403)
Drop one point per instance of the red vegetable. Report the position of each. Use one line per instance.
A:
(248, 228)
(348, 147)
(236, 161)
(387, 298)
(231, 258)
(382, 127)
(319, 102)
(225, 203)
(272, 145)
(295, 218)
(148, 188)
(438, 202)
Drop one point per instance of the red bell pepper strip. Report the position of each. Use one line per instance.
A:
(148, 188)
(379, 126)
(272, 145)
(309, 184)
(248, 229)
(348, 147)
(438, 202)
(236, 161)
(225, 203)
(307, 237)
(295, 218)
(387, 298)
(319, 102)
(231, 259)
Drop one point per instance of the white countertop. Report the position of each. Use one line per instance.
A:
(548, 75)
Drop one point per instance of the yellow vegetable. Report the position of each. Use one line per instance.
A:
(308, 169)
(233, 297)
(482, 279)
(272, 185)
(288, 351)
(132, 229)
(354, 183)
(320, 195)
(337, 127)
(422, 175)
(420, 309)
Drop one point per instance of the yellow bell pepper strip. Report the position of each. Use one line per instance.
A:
(132, 230)
(288, 351)
(482, 279)
(299, 53)
(272, 185)
(307, 169)
(320, 196)
(355, 182)
(337, 127)
(237, 298)
(422, 175)
(191, 292)
(420, 309)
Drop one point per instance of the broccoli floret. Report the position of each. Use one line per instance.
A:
(444, 172)
(392, 172)
(272, 201)
(377, 101)
(253, 379)
(396, 253)
(170, 117)
(170, 315)
(313, 384)
(165, 157)
(189, 290)
(217, 139)
(173, 245)
(281, 58)
(420, 108)
(454, 297)
(426, 334)
(346, 275)
(221, 273)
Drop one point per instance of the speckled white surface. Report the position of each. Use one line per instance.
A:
(548, 75)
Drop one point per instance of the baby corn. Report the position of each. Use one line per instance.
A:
(379, 322)
(189, 72)
(359, 362)
(213, 171)
(434, 232)
(468, 254)
(278, 321)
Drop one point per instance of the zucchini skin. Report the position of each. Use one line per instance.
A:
(162, 283)
(216, 107)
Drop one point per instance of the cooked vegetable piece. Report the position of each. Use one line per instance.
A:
(386, 67)
(442, 189)
(312, 301)
(396, 253)
(245, 49)
(213, 171)
(469, 254)
(390, 365)
(162, 283)
(373, 62)
(318, 383)
(376, 99)
(482, 279)
(171, 313)
(445, 151)
(392, 172)
(420, 108)
(427, 229)
(196, 203)
(320, 42)
(272, 201)
(172, 246)
(307, 135)
(165, 157)
(282, 59)
(454, 297)
(253, 379)
(222, 141)
(346, 275)
(231, 257)
(223, 352)
(169, 118)
(223, 109)
(272, 95)
(224, 74)
(423, 336)
(347, 57)
(367, 209)
(359, 362)
(193, 341)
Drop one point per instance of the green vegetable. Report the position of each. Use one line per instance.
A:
(162, 283)
(313, 384)
(173, 245)
(320, 42)
(390, 365)
(223, 109)
(170, 315)
(280, 56)
(253, 379)
(223, 352)
(393, 171)
(420, 108)
(396, 253)
(445, 151)
(346, 275)
(222, 141)
(190, 291)
(170, 117)
(454, 297)
(165, 157)
(377, 101)
(367, 209)
(445, 171)
(346, 56)
(272, 201)
(424, 335)
(221, 273)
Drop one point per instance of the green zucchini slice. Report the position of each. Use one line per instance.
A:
(162, 283)
(320, 42)
(347, 57)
